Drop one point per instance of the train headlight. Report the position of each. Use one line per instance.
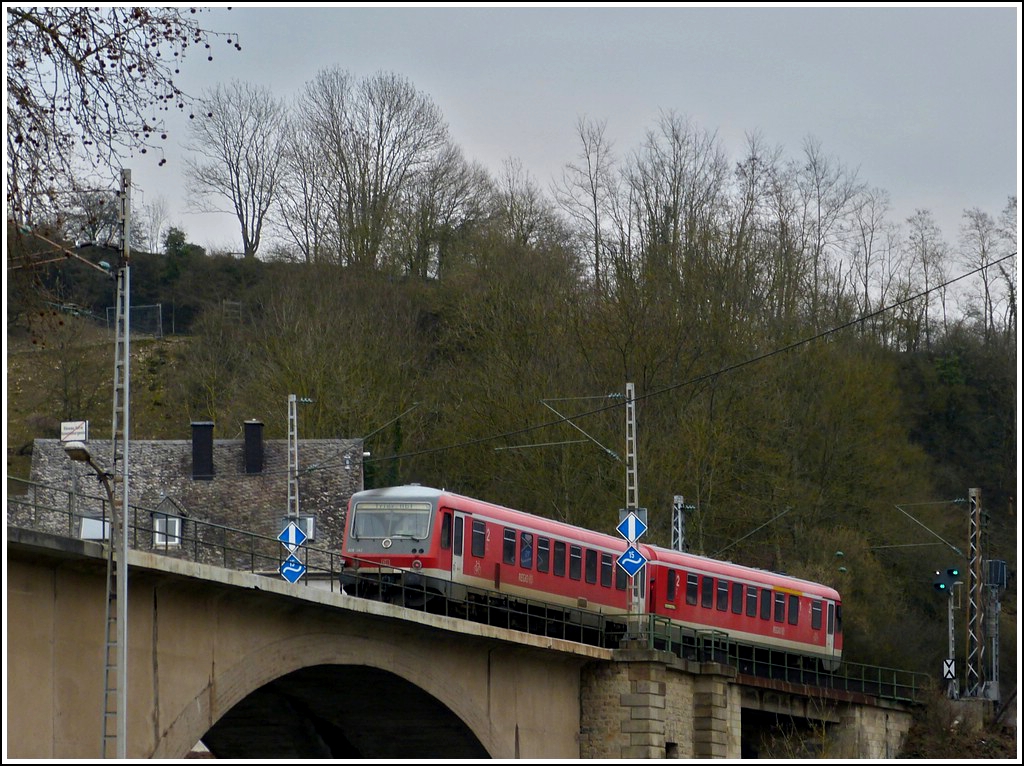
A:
(417, 564)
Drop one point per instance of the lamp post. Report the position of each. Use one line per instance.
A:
(79, 452)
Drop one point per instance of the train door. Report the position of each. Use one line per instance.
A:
(458, 537)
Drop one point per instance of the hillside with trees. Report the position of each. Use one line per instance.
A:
(822, 384)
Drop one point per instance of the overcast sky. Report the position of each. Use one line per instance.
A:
(922, 101)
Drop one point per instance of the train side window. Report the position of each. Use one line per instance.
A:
(620, 578)
(815, 615)
(508, 548)
(766, 604)
(737, 597)
(458, 536)
(479, 538)
(691, 589)
(831, 619)
(559, 558)
(839, 619)
(543, 553)
(575, 562)
(780, 607)
(794, 609)
(722, 602)
(446, 531)
(707, 591)
(751, 601)
(670, 590)
(526, 550)
(591, 566)
(606, 570)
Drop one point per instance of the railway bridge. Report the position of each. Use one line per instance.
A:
(255, 666)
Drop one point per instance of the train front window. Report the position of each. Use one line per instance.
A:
(378, 520)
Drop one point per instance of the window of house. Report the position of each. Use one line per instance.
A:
(166, 531)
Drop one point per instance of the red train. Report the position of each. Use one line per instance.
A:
(438, 544)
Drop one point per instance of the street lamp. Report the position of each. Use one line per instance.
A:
(79, 452)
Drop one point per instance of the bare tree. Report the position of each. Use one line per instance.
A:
(585, 191)
(375, 136)
(978, 242)
(151, 220)
(928, 254)
(241, 141)
(87, 84)
(437, 207)
(1007, 264)
(302, 200)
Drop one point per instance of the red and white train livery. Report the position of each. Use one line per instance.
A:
(445, 544)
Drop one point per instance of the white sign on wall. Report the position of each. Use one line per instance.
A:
(74, 431)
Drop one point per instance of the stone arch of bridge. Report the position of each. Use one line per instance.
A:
(279, 668)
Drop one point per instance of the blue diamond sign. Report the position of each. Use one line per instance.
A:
(632, 527)
(292, 536)
(632, 561)
(292, 569)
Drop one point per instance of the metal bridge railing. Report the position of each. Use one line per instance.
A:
(67, 513)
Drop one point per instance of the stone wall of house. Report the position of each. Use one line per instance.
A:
(161, 482)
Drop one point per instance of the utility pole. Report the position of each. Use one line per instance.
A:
(115, 699)
(293, 456)
(975, 642)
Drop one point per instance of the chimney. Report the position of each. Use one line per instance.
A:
(202, 450)
(253, 446)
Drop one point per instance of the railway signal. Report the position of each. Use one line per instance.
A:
(944, 581)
